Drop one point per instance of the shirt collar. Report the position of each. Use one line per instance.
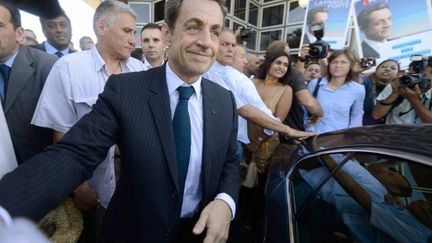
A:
(374, 44)
(173, 82)
(98, 60)
(52, 50)
(218, 65)
(324, 82)
(100, 63)
(11, 59)
(148, 65)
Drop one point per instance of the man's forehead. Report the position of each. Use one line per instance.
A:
(58, 19)
(227, 36)
(380, 13)
(208, 12)
(151, 33)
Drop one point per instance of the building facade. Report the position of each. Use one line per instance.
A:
(269, 19)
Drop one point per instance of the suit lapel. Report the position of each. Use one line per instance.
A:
(21, 74)
(159, 103)
(209, 125)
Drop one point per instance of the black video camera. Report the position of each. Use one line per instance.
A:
(319, 48)
(367, 62)
(417, 65)
(246, 33)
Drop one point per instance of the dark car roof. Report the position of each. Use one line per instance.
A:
(415, 139)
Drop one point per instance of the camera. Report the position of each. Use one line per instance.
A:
(367, 62)
(246, 33)
(319, 48)
(417, 66)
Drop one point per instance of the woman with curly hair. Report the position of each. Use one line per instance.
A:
(272, 84)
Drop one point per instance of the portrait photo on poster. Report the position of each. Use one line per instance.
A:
(394, 29)
(334, 14)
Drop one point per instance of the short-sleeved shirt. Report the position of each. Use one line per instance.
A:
(295, 117)
(243, 89)
(403, 113)
(70, 91)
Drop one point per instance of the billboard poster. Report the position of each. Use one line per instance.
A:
(335, 14)
(394, 29)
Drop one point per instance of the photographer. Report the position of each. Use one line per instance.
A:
(406, 100)
(374, 84)
(317, 51)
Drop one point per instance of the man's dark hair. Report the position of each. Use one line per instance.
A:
(15, 18)
(312, 12)
(44, 20)
(363, 17)
(172, 9)
(150, 26)
(276, 46)
(268, 60)
(137, 53)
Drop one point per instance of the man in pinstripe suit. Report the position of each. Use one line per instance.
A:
(136, 111)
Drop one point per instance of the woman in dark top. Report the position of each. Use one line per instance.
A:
(385, 72)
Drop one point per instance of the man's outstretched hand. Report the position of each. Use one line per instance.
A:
(216, 218)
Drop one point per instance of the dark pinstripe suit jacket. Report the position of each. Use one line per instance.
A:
(134, 112)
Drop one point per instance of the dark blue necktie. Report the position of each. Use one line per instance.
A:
(59, 54)
(182, 134)
(5, 72)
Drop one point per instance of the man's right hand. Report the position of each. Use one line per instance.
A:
(304, 51)
(85, 198)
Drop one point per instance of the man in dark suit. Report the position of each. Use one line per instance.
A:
(58, 33)
(23, 73)
(179, 171)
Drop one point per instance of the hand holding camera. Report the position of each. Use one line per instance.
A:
(318, 49)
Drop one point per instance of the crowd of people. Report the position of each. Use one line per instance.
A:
(182, 112)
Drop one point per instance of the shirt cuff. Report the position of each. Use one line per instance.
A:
(228, 199)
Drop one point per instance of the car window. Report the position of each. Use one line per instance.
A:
(361, 197)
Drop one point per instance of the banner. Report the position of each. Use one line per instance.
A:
(394, 29)
(334, 14)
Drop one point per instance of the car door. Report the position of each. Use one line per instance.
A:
(354, 196)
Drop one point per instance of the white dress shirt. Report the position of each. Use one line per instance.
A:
(8, 160)
(52, 50)
(7, 154)
(244, 92)
(193, 191)
(70, 91)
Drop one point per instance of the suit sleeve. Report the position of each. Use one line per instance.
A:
(41, 183)
(230, 179)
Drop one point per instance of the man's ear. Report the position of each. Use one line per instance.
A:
(19, 34)
(166, 35)
(101, 27)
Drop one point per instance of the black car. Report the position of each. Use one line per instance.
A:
(366, 184)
